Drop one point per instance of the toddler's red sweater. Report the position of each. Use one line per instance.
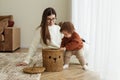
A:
(72, 43)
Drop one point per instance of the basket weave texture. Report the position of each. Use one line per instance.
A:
(52, 60)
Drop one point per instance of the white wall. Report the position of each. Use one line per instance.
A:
(27, 14)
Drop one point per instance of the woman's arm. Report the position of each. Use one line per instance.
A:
(33, 46)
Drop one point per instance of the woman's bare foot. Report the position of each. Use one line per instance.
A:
(22, 64)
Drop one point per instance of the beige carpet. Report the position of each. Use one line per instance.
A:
(9, 71)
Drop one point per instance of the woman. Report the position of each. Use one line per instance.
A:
(47, 35)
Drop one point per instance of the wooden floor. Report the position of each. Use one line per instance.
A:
(74, 72)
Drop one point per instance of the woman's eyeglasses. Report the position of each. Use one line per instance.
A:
(49, 19)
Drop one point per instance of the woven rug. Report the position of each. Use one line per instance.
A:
(9, 70)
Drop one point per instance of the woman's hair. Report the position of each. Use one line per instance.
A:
(67, 26)
(44, 26)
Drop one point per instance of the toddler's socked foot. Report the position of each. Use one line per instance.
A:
(85, 67)
(65, 66)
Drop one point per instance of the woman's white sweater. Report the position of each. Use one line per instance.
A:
(55, 42)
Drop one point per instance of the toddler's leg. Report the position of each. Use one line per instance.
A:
(81, 59)
(67, 56)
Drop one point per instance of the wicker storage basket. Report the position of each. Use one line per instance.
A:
(52, 60)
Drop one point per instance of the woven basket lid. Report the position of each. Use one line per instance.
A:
(33, 70)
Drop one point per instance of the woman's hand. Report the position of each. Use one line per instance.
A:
(63, 48)
(22, 64)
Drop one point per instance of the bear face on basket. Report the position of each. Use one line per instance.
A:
(52, 59)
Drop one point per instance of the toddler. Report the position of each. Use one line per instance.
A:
(72, 44)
